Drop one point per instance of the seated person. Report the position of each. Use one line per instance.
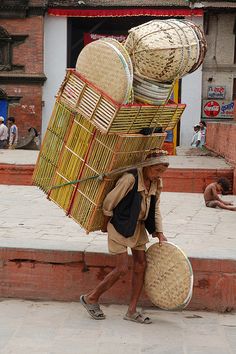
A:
(211, 197)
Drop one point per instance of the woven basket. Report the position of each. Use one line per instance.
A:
(162, 50)
(152, 92)
(109, 116)
(103, 64)
(169, 277)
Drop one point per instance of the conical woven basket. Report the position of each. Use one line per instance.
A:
(165, 49)
(169, 276)
(103, 64)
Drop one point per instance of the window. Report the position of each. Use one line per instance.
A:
(5, 49)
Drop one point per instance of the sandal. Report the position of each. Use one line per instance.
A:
(137, 317)
(93, 309)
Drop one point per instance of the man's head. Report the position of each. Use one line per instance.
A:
(202, 124)
(223, 185)
(196, 128)
(158, 165)
(1, 120)
(11, 120)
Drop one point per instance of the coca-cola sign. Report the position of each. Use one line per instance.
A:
(218, 109)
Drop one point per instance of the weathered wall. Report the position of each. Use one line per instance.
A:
(219, 62)
(221, 138)
(65, 275)
(25, 83)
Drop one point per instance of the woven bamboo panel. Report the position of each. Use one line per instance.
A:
(109, 116)
(87, 153)
(52, 145)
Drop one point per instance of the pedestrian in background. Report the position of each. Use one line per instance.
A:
(202, 141)
(3, 134)
(13, 133)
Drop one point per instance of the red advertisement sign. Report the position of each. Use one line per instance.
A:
(218, 109)
(211, 109)
(90, 37)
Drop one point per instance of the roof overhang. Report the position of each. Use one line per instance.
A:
(125, 12)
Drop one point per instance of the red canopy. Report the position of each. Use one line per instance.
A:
(125, 12)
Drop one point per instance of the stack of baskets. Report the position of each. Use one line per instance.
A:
(160, 52)
(96, 128)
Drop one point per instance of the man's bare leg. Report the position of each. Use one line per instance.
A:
(221, 205)
(121, 269)
(139, 266)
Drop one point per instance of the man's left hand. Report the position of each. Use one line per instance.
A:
(161, 237)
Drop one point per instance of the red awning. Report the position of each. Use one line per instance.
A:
(124, 12)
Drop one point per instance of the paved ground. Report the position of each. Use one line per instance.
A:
(21, 157)
(28, 327)
(29, 157)
(29, 220)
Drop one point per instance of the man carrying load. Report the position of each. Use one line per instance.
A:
(130, 209)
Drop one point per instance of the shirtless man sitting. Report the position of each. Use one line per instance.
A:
(211, 197)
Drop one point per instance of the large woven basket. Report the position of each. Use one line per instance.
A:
(109, 116)
(165, 49)
(169, 276)
(86, 152)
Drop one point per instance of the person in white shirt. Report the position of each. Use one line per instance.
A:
(3, 133)
(196, 136)
(13, 133)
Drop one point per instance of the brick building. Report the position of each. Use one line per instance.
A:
(73, 19)
(40, 38)
(21, 61)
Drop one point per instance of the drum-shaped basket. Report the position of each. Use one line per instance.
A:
(169, 277)
(165, 49)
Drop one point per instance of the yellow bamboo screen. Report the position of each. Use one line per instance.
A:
(110, 117)
(87, 152)
(53, 142)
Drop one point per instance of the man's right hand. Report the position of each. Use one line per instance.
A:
(105, 222)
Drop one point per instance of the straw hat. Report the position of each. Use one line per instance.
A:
(169, 276)
(103, 64)
(1, 119)
(156, 158)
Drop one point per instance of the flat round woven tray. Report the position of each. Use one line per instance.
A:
(169, 276)
(104, 65)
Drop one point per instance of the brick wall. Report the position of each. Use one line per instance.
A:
(29, 53)
(221, 138)
(28, 108)
(28, 111)
(64, 275)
